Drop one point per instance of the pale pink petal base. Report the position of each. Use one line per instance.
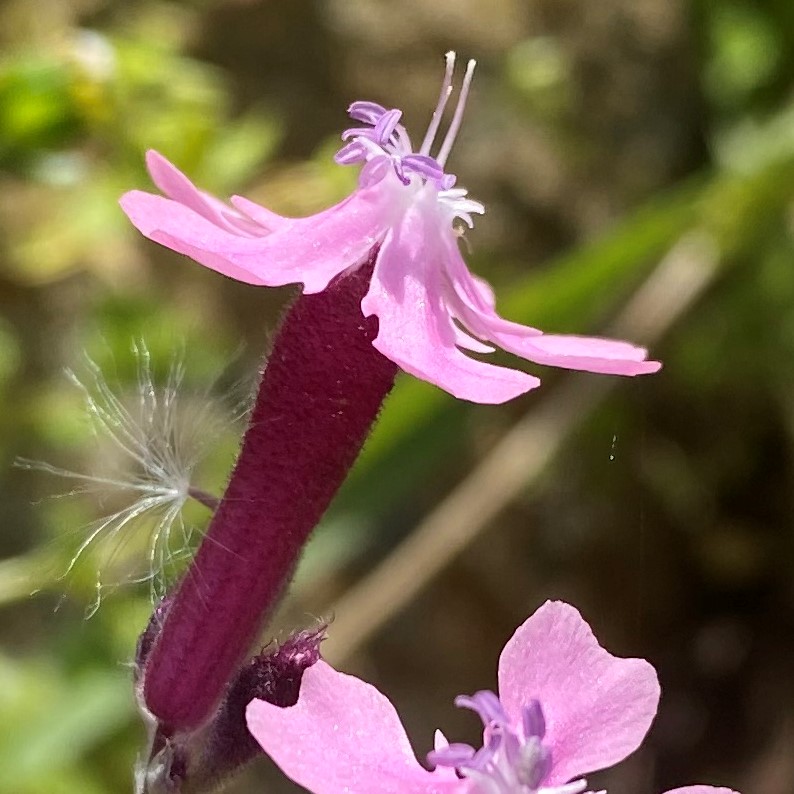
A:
(343, 735)
(471, 305)
(598, 707)
(415, 329)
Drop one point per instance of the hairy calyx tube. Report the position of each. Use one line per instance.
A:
(319, 394)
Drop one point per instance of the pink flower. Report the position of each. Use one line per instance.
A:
(429, 306)
(565, 707)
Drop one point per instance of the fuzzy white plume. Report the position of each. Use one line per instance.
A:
(150, 444)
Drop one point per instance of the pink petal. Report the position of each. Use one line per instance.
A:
(474, 307)
(485, 291)
(147, 213)
(416, 329)
(263, 216)
(598, 707)
(310, 250)
(468, 342)
(175, 185)
(591, 354)
(472, 300)
(314, 250)
(343, 737)
(702, 790)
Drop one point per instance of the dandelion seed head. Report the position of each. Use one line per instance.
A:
(149, 442)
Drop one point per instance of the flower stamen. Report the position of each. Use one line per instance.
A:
(457, 119)
(443, 98)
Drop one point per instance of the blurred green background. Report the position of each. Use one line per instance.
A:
(631, 153)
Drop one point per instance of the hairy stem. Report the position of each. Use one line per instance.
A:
(318, 398)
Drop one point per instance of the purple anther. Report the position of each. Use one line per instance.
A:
(386, 125)
(359, 132)
(426, 167)
(350, 154)
(448, 181)
(486, 704)
(366, 112)
(533, 720)
(387, 138)
(397, 164)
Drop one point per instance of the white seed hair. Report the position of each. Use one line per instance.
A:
(154, 441)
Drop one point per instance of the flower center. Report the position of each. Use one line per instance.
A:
(513, 758)
(384, 143)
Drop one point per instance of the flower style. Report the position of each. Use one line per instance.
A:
(408, 211)
(566, 707)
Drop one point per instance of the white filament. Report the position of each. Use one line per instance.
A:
(457, 119)
(443, 98)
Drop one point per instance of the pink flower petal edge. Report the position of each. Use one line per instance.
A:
(343, 735)
(598, 707)
(416, 331)
(311, 251)
(702, 790)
